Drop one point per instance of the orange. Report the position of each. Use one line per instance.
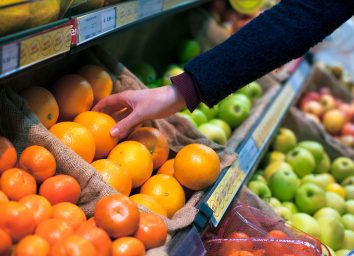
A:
(150, 203)
(196, 166)
(39, 162)
(60, 188)
(167, 191)
(240, 253)
(42, 103)
(277, 248)
(167, 168)
(114, 175)
(17, 183)
(128, 246)
(5, 243)
(8, 155)
(241, 243)
(100, 125)
(32, 245)
(152, 230)
(3, 197)
(118, 215)
(336, 188)
(73, 245)
(70, 213)
(53, 230)
(155, 142)
(135, 158)
(101, 82)
(77, 137)
(16, 220)
(74, 96)
(39, 206)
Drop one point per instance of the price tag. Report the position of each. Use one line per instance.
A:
(9, 57)
(149, 7)
(248, 155)
(126, 13)
(298, 77)
(108, 19)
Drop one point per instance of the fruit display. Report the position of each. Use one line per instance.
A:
(310, 190)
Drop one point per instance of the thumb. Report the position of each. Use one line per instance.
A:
(123, 127)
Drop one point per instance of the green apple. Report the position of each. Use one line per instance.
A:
(223, 125)
(210, 113)
(326, 211)
(188, 117)
(242, 98)
(349, 191)
(187, 50)
(309, 198)
(291, 206)
(283, 212)
(301, 160)
(341, 168)
(273, 202)
(350, 206)
(305, 223)
(252, 90)
(283, 184)
(213, 132)
(315, 148)
(342, 252)
(258, 176)
(348, 181)
(348, 221)
(325, 164)
(172, 70)
(145, 72)
(332, 232)
(336, 202)
(274, 167)
(348, 242)
(273, 156)
(260, 189)
(284, 141)
(321, 180)
(199, 117)
(233, 112)
(332, 253)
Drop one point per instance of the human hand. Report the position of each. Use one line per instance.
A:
(141, 105)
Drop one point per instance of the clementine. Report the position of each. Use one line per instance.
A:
(101, 82)
(5, 243)
(276, 248)
(17, 183)
(167, 168)
(73, 245)
(42, 103)
(8, 155)
(155, 142)
(241, 242)
(135, 158)
(39, 162)
(39, 206)
(3, 197)
(152, 230)
(259, 252)
(118, 215)
(196, 166)
(167, 191)
(128, 246)
(240, 253)
(16, 220)
(77, 137)
(52, 230)
(150, 203)
(60, 188)
(100, 125)
(70, 213)
(98, 237)
(114, 175)
(32, 245)
(74, 96)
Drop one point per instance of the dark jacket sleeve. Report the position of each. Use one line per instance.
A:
(280, 34)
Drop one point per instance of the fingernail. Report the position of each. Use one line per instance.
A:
(115, 132)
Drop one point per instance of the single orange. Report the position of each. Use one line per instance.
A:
(8, 155)
(5, 243)
(167, 191)
(155, 142)
(39, 206)
(167, 168)
(241, 242)
(278, 248)
(43, 103)
(39, 162)
(196, 166)
(77, 137)
(52, 230)
(128, 246)
(101, 82)
(240, 253)
(60, 188)
(99, 124)
(114, 175)
(17, 183)
(16, 220)
(152, 230)
(3, 197)
(135, 158)
(74, 96)
(32, 245)
(91, 222)
(70, 213)
(73, 245)
(150, 203)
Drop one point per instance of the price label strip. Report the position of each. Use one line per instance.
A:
(126, 13)
(95, 24)
(169, 4)
(149, 7)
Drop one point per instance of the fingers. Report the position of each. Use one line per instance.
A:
(111, 103)
(124, 126)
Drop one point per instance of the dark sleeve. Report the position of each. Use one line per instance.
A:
(282, 33)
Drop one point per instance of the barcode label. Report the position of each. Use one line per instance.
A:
(149, 7)
(9, 57)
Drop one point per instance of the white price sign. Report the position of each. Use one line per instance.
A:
(9, 57)
(108, 19)
(149, 7)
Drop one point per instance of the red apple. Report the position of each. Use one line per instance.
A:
(313, 107)
(347, 140)
(328, 102)
(325, 90)
(339, 103)
(348, 129)
(310, 96)
(348, 110)
(334, 120)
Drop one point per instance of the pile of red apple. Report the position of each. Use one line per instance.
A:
(336, 115)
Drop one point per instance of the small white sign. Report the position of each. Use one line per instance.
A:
(108, 19)
(9, 57)
(149, 7)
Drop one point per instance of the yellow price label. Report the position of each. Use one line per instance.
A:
(246, 6)
(126, 13)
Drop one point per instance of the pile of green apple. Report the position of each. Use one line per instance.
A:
(308, 190)
(217, 123)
